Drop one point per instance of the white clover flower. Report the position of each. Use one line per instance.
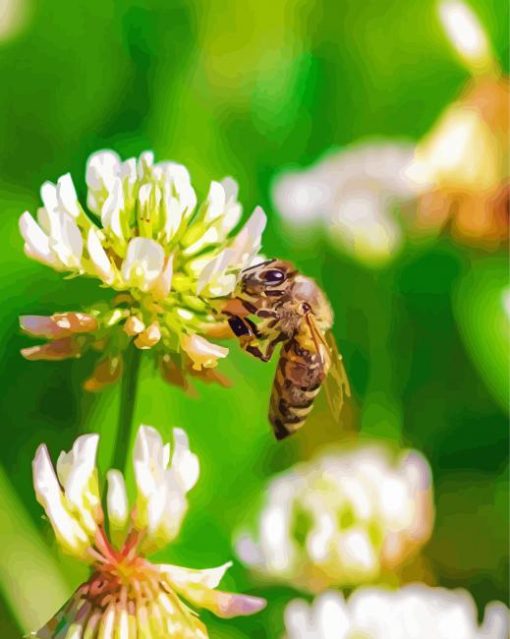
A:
(144, 237)
(162, 484)
(128, 597)
(342, 519)
(416, 611)
(353, 193)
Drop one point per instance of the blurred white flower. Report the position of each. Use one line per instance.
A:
(415, 611)
(341, 519)
(127, 597)
(143, 237)
(467, 35)
(354, 194)
(14, 16)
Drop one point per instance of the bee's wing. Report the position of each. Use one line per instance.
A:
(321, 345)
(336, 384)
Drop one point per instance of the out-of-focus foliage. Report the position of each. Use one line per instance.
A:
(250, 89)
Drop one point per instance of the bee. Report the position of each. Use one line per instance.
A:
(275, 304)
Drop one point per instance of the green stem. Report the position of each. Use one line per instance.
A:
(127, 406)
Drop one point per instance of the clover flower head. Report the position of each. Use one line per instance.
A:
(127, 596)
(461, 166)
(168, 260)
(342, 519)
(353, 194)
(416, 610)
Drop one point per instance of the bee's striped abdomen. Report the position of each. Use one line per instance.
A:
(297, 382)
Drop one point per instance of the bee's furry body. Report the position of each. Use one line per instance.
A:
(297, 382)
(273, 304)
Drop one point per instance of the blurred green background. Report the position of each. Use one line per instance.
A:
(246, 89)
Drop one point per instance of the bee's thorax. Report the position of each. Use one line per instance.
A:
(306, 291)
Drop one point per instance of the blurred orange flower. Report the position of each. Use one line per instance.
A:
(464, 166)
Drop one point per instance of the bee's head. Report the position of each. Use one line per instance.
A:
(267, 279)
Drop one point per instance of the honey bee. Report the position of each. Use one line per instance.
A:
(273, 303)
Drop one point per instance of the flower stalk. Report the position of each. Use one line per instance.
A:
(129, 387)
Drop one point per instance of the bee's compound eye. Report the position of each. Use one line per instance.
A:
(273, 276)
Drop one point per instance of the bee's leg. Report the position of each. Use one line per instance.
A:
(264, 328)
(271, 346)
(255, 351)
(265, 357)
(243, 328)
(248, 335)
